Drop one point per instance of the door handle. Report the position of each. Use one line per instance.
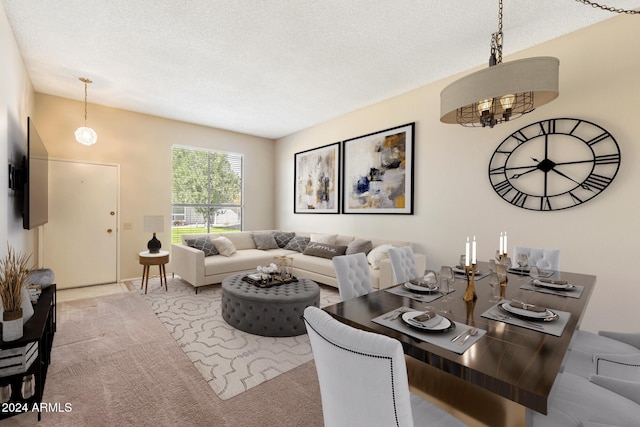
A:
(109, 230)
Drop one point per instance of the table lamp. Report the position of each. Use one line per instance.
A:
(154, 224)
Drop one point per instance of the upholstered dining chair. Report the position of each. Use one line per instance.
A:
(548, 259)
(577, 401)
(589, 351)
(363, 378)
(403, 264)
(352, 272)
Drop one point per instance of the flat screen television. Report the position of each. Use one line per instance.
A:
(35, 210)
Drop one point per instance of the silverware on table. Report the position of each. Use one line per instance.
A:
(501, 316)
(460, 335)
(472, 332)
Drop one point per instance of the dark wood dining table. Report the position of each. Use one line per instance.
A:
(509, 369)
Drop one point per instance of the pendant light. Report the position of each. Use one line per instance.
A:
(85, 135)
(501, 92)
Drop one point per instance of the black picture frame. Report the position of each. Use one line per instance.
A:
(317, 180)
(377, 172)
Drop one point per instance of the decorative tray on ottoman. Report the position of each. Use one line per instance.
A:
(256, 280)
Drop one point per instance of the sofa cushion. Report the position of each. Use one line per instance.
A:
(377, 254)
(297, 244)
(329, 239)
(244, 260)
(358, 246)
(224, 246)
(240, 239)
(282, 238)
(265, 240)
(321, 266)
(204, 244)
(324, 250)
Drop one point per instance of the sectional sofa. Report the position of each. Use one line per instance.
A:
(206, 259)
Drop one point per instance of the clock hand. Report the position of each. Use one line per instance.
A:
(518, 175)
(571, 179)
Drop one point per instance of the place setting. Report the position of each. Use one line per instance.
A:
(428, 288)
(431, 327)
(551, 286)
(530, 316)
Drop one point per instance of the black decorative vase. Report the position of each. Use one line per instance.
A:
(154, 245)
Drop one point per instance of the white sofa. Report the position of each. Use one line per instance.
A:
(192, 265)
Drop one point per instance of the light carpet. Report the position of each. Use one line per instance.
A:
(230, 360)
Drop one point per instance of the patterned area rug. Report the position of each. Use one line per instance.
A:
(232, 361)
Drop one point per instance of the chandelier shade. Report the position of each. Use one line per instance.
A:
(85, 135)
(501, 92)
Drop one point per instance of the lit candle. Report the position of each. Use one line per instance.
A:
(466, 253)
(506, 250)
(473, 251)
(501, 243)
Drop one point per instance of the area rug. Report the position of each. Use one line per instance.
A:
(230, 360)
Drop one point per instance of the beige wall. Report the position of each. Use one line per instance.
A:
(141, 145)
(16, 102)
(453, 198)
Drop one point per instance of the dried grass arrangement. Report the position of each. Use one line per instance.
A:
(13, 275)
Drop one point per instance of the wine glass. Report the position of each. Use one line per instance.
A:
(501, 273)
(492, 265)
(447, 278)
(522, 260)
(534, 273)
(494, 282)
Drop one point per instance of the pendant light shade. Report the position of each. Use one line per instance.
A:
(501, 92)
(85, 135)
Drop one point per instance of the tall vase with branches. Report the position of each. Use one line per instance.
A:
(14, 272)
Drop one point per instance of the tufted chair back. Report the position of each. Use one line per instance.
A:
(403, 264)
(352, 272)
(363, 378)
(548, 259)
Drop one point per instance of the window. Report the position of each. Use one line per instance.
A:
(206, 193)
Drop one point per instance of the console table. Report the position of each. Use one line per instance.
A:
(40, 329)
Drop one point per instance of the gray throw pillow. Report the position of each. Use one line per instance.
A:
(204, 244)
(282, 238)
(358, 246)
(297, 244)
(265, 240)
(324, 250)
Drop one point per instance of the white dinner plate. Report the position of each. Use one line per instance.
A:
(555, 286)
(439, 324)
(420, 289)
(540, 315)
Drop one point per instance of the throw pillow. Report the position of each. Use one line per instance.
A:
(377, 254)
(224, 246)
(358, 246)
(265, 240)
(329, 239)
(204, 244)
(283, 238)
(297, 244)
(324, 250)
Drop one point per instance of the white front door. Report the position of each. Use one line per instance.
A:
(80, 239)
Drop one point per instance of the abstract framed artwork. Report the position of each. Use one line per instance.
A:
(317, 175)
(378, 172)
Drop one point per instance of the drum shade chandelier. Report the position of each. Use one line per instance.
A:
(501, 92)
(85, 135)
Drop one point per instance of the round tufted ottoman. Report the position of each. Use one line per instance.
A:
(273, 312)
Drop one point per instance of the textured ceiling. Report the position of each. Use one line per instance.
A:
(269, 67)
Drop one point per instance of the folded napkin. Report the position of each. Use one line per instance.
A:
(528, 307)
(428, 319)
(420, 282)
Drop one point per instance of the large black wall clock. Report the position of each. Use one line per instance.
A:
(554, 164)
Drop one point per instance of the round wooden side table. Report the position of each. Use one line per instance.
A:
(147, 259)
